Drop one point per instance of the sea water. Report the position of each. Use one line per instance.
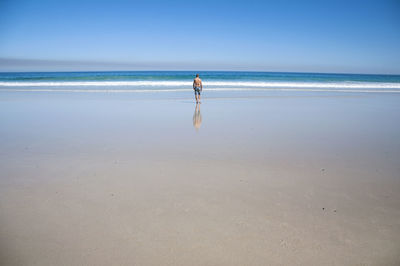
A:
(181, 81)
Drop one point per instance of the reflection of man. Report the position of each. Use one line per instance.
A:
(197, 87)
(197, 117)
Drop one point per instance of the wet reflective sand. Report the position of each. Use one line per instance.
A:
(262, 179)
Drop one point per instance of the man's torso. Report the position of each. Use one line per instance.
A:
(197, 82)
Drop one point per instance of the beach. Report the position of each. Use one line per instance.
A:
(260, 177)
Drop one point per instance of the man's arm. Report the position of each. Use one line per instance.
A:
(193, 84)
(201, 84)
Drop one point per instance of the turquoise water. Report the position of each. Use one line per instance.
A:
(182, 80)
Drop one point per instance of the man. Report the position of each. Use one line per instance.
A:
(197, 87)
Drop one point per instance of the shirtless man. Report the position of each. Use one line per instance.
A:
(197, 87)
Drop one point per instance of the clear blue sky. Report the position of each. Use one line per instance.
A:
(304, 36)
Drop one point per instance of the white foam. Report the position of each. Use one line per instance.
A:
(222, 84)
(208, 89)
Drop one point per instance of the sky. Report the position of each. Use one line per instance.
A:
(291, 36)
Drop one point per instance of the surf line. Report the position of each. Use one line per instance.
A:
(205, 89)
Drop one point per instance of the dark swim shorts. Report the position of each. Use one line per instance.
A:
(197, 90)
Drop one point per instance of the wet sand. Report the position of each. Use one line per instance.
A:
(266, 179)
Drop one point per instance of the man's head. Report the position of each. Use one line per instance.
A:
(197, 75)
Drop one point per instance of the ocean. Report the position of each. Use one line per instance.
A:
(175, 81)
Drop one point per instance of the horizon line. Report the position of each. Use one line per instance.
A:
(204, 70)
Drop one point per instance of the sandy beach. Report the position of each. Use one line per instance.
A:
(268, 178)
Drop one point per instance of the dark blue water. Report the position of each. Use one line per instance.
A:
(187, 75)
